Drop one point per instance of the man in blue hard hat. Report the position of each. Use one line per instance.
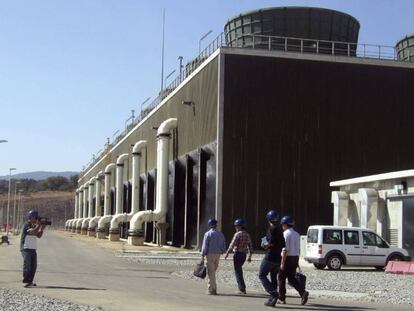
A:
(273, 243)
(32, 230)
(290, 261)
(242, 248)
(214, 245)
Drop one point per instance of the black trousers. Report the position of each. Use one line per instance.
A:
(29, 265)
(291, 265)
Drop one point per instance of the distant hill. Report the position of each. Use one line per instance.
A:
(39, 175)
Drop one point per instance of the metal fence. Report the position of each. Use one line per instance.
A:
(271, 43)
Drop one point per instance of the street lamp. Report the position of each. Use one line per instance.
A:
(8, 201)
(180, 58)
(201, 39)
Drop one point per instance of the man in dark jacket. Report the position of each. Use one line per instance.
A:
(273, 243)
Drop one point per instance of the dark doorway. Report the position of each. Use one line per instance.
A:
(126, 208)
(150, 205)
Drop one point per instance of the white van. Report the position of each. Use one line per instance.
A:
(334, 246)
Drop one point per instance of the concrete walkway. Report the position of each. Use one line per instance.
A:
(84, 272)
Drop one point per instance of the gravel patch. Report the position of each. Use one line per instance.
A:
(361, 285)
(12, 300)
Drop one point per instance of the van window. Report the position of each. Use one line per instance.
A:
(351, 237)
(313, 236)
(372, 239)
(331, 236)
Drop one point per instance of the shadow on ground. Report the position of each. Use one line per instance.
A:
(68, 287)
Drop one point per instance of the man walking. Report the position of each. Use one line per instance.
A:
(214, 244)
(241, 245)
(290, 261)
(273, 243)
(32, 230)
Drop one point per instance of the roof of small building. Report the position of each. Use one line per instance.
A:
(372, 178)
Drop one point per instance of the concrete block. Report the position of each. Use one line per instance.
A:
(114, 237)
(136, 240)
(101, 235)
(400, 267)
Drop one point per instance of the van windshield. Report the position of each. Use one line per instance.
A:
(313, 236)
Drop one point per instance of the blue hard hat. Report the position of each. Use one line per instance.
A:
(32, 213)
(212, 222)
(239, 222)
(287, 220)
(272, 216)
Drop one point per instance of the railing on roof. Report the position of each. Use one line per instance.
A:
(271, 43)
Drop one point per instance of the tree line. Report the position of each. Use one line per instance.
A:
(54, 183)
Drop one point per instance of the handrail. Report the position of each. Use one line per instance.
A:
(256, 41)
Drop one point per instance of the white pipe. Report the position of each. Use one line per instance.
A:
(107, 198)
(76, 204)
(89, 196)
(85, 200)
(136, 154)
(78, 222)
(161, 205)
(121, 168)
(94, 221)
(69, 222)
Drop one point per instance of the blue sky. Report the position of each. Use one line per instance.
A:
(71, 71)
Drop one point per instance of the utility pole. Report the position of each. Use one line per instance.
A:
(162, 52)
(180, 58)
(19, 203)
(14, 204)
(8, 202)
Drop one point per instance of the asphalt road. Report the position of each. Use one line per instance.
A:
(85, 273)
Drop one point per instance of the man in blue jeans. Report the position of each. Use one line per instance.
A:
(32, 230)
(273, 244)
(241, 245)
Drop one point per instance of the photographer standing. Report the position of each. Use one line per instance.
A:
(32, 230)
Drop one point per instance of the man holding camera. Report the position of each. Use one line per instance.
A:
(32, 230)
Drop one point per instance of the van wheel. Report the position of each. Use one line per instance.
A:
(395, 258)
(319, 266)
(335, 262)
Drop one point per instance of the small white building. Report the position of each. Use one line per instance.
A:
(383, 202)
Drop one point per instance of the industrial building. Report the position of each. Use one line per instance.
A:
(283, 102)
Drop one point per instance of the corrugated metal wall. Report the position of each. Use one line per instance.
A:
(196, 127)
(292, 126)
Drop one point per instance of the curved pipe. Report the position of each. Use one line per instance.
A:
(103, 221)
(78, 221)
(85, 206)
(136, 154)
(89, 215)
(121, 169)
(68, 224)
(94, 221)
(161, 205)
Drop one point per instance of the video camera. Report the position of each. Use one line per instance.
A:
(44, 221)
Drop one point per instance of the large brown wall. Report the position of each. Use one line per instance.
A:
(196, 127)
(292, 126)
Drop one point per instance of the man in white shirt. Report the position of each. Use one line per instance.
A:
(290, 261)
(32, 230)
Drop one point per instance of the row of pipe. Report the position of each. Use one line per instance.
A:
(87, 219)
